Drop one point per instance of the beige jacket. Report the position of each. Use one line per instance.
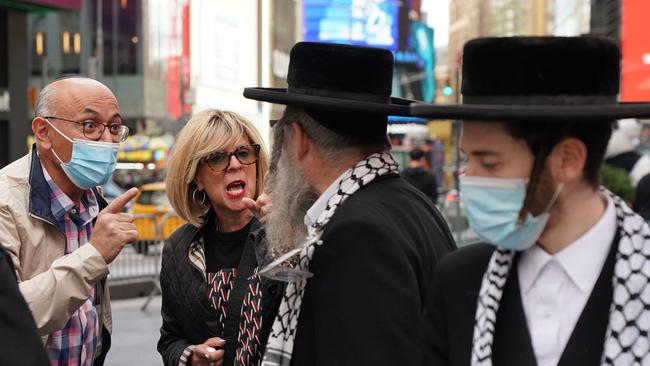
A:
(54, 285)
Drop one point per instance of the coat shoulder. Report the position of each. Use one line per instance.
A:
(460, 273)
(179, 241)
(468, 261)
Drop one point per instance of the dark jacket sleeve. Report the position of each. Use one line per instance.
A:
(20, 343)
(368, 298)
(172, 341)
(436, 340)
(457, 280)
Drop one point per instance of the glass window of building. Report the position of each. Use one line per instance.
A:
(121, 34)
(54, 43)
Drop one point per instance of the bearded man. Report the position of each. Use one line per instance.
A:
(358, 292)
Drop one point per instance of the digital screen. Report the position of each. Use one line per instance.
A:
(635, 45)
(358, 22)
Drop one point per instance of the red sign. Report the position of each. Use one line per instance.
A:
(174, 86)
(635, 44)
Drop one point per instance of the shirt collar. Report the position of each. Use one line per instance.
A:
(582, 260)
(62, 204)
(321, 203)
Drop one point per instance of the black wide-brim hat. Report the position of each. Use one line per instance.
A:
(570, 79)
(346, 88)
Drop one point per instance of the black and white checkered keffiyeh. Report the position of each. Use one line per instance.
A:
(627, 341)
(280, 344)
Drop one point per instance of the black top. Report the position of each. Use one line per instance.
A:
(366, 303)
(625, 160)
(642, 197)
(423, 180)
(223, 250)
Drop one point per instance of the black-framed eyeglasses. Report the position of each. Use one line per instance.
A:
(94, 130)
(220, 161)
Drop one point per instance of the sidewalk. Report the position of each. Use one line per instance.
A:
(135, 333)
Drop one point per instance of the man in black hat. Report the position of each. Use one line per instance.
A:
(356, 242)
(563, 278)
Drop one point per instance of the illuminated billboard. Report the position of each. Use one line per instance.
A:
(635, 44)
(359, 22)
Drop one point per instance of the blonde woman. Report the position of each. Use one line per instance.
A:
(210, 287)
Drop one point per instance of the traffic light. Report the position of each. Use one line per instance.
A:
(447, 90)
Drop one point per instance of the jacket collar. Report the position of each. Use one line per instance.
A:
(39, 191)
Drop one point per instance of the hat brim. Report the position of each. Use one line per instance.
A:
(533, 113)
(396, 107)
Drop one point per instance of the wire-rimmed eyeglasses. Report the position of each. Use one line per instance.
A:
(220, 160)
(94, 130)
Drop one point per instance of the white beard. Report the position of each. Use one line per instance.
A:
(292, 197)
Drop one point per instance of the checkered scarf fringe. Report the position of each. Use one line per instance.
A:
(627, 340)
(280, 344)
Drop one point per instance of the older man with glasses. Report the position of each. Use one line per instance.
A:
(58, 230)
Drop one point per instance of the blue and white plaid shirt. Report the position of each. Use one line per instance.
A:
(76, 343)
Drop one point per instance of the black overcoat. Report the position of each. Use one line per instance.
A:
(366, 303)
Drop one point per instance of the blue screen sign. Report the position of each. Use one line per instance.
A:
(359, 22)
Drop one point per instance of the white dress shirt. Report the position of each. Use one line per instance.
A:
(555, 288)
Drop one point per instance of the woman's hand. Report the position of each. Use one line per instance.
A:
(206, 355)
(260, 207)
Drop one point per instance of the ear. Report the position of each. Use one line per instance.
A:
(567, 160)
(197, 181)
(301, 142)
(41, 132)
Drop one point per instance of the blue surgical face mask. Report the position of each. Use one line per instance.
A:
(492, 206)
(92, 163)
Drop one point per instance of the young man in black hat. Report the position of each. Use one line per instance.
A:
(564, 276)
(362, 242)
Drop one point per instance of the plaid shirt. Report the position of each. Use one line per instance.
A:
(76, 343)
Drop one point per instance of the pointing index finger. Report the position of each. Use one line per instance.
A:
(117, 204)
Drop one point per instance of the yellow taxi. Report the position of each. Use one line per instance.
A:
(154, 217)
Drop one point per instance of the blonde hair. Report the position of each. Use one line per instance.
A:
(207, 132)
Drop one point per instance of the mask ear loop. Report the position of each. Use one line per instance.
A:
(556, 194)
(60, 133)
(57, 130)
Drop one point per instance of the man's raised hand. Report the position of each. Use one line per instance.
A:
(113, 229)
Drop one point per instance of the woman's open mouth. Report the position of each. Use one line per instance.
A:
(236, 189)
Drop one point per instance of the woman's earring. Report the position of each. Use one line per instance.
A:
(203, 200)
